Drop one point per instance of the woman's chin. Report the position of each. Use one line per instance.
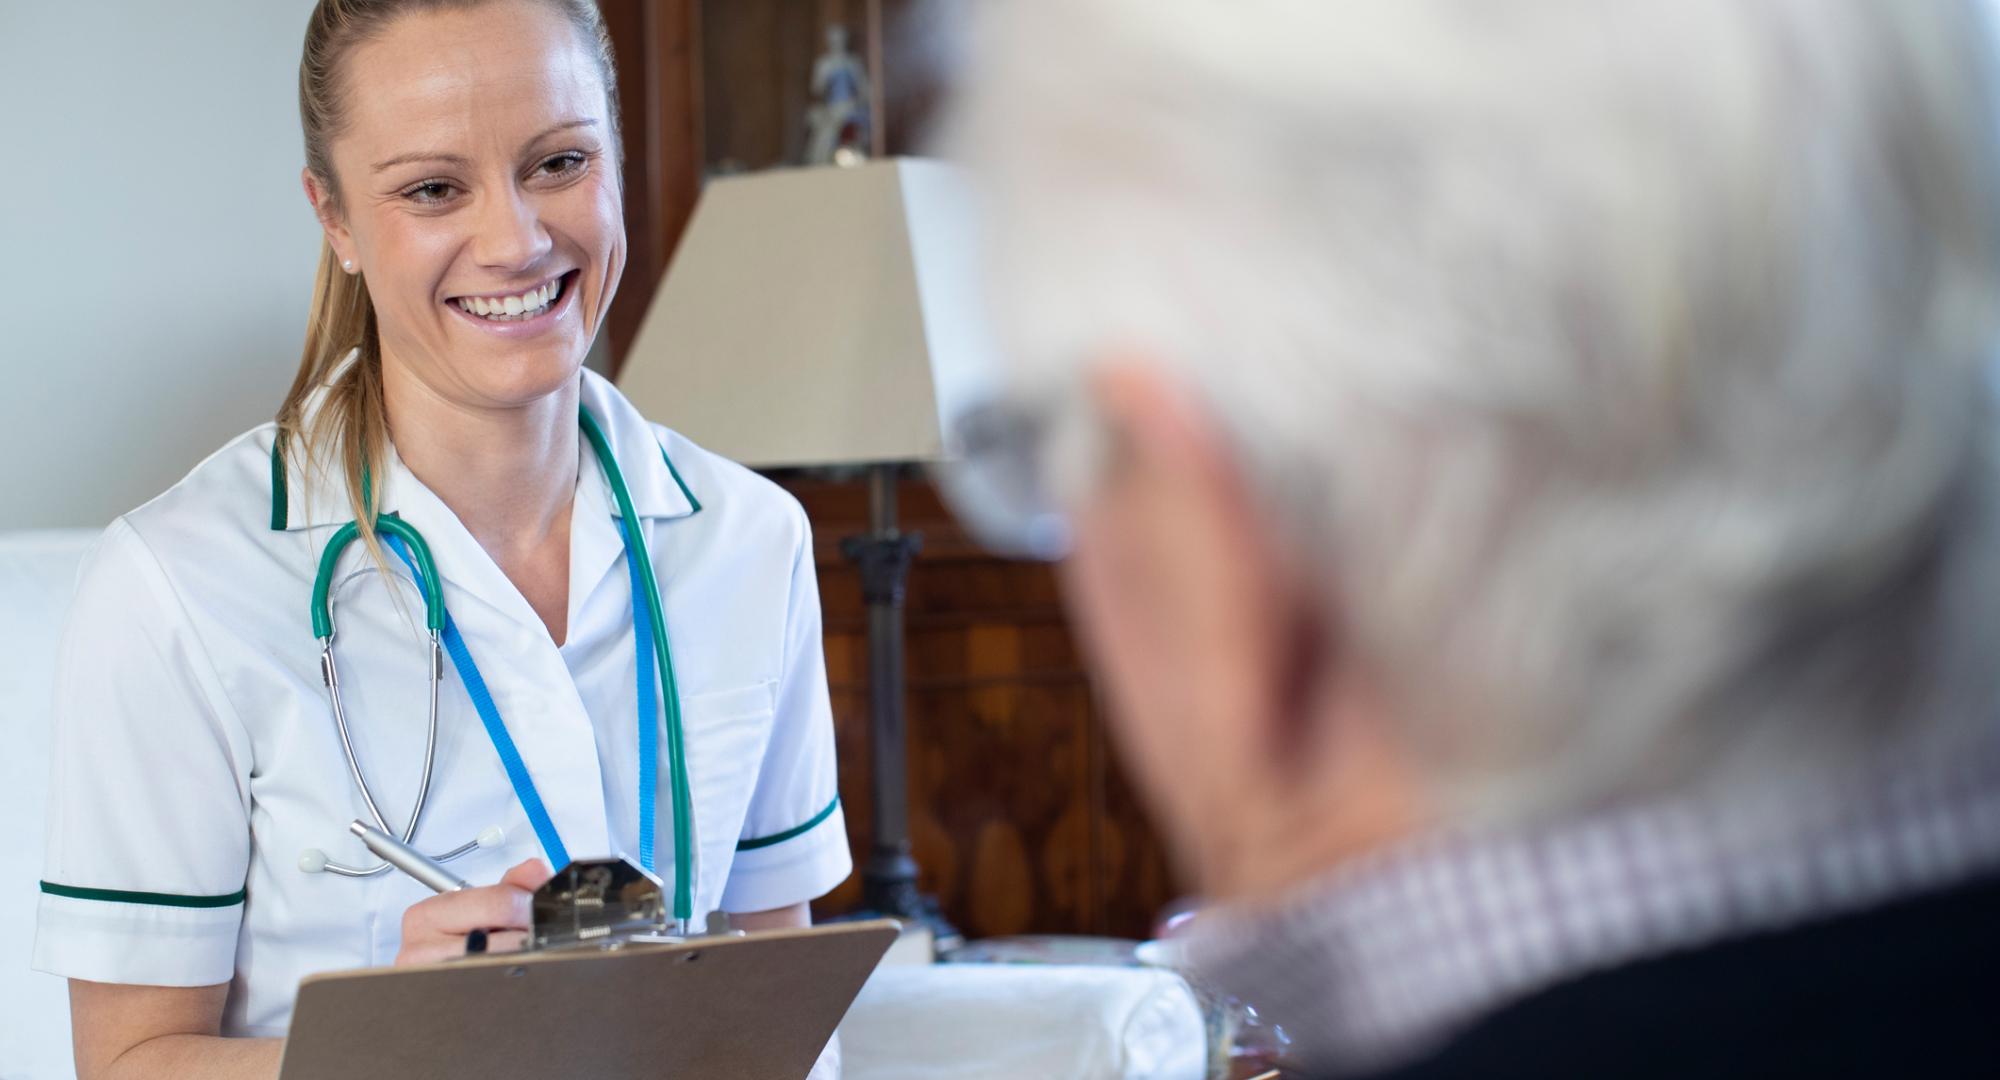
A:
(525, 379)
(519, 374)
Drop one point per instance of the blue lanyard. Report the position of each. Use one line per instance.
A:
(655, 661)
(503, 743)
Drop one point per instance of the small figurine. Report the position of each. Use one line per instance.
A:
(837, 127)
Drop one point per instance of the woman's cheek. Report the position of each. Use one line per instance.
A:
(608, 230)
(415, 253)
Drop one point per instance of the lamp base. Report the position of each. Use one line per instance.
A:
(883, 554)
(889, 884)
(889, 889)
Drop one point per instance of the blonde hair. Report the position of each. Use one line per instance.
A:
(352, 420)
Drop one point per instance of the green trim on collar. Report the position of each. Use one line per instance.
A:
(779, 838)
(278, 494)
(158, 899)
(676, 474)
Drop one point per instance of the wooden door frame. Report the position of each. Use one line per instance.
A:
(658, 47)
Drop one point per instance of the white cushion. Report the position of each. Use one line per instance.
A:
(1006, 1021)
(37, 576)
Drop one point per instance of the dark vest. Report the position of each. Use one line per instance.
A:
(1907, 990)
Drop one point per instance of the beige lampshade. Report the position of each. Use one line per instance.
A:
(818, 316)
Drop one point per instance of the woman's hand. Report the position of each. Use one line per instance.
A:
(434, 929)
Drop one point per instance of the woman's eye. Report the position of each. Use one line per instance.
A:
(564, 164)
(430, 191)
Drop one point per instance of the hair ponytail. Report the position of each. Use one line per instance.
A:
(350, 426)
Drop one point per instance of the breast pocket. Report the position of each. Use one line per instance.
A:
(727, 732)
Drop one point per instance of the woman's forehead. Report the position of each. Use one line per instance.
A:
(455, 82)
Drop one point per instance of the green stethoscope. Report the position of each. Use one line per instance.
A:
(649, 629)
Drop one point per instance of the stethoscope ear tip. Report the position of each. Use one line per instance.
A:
(312, 860)
(491, 836)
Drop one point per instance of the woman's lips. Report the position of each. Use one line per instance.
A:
(525, 321)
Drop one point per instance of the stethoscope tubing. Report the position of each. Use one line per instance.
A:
(330, 673)
(686, 851)
(687, 855)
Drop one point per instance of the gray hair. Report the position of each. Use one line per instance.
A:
(1624, 365)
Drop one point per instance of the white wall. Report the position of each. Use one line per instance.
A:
(156, 253)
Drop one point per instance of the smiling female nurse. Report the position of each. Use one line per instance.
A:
(461, 157)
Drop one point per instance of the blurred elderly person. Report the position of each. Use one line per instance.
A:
(1527, 471)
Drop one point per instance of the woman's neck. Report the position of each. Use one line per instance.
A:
(508, 474)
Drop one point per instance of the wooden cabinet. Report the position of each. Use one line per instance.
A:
(1020, 818)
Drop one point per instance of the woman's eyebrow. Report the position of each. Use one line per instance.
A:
(461, 160)
(565, 125)
(404, 159)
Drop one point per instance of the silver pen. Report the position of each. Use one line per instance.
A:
(408, 859)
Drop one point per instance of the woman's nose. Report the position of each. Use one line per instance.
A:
(510, 234)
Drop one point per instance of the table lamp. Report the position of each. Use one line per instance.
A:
(829, 316)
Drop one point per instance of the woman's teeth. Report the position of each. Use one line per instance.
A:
(513, 308)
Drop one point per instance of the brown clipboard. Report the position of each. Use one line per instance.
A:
(759, 1007)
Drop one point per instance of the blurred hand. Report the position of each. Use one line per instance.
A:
(434, 929)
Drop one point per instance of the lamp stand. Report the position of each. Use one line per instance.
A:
(889, 875)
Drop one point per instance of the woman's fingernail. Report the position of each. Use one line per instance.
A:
(475, 942)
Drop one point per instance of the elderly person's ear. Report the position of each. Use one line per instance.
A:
(1214, 654)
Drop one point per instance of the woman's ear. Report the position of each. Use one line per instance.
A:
(337, 236)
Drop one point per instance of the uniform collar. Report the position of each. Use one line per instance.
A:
(657, 488)
(314, 496)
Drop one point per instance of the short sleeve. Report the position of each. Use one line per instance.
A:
(148, 820)
(794, 842)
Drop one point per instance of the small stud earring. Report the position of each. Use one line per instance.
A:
(347, 265)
